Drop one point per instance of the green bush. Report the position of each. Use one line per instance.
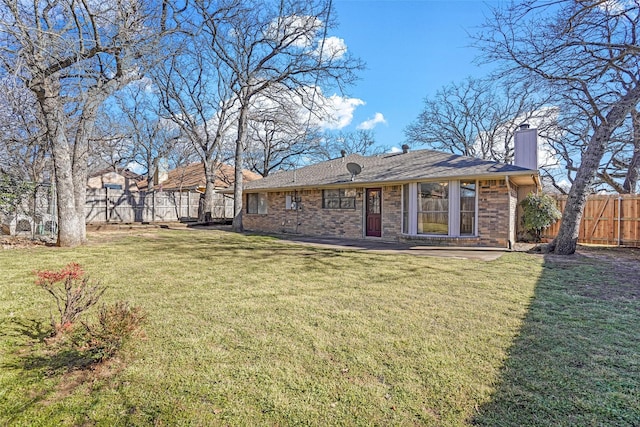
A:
(540, 212)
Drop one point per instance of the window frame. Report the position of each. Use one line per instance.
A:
(411, 208)
(342, 201)
(446, 185)
(474, 217)
(257, 206)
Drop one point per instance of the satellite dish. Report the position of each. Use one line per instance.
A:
(354, 169)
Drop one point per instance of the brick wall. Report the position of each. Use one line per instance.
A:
(513, 214)
(494, 213)
(496, 216)
(311, 219)
(391, 212)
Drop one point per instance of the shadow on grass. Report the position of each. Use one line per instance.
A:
(34, 354)
(575, 362)
(28, 360)
(34, 330)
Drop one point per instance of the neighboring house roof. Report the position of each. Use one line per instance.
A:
(191, 177)
(119, 178)
(120, 171)
(392, 168)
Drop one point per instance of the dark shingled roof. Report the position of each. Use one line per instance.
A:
(389, 168)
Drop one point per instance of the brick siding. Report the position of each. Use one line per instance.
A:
(496, 216)
(494, 213)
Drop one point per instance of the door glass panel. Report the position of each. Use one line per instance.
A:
(374, 202)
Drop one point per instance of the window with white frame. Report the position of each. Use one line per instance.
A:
(444, 208)
(257, 203)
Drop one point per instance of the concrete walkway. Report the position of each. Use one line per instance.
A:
(378, 246)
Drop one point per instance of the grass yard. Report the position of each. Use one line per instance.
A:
(247, 330)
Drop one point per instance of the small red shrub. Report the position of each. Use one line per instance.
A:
(72, 291)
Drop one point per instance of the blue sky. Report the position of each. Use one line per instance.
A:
(411, 49)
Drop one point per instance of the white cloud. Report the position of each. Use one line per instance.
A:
(339, 111)
(613, 7)
(395, 149)
(333, 48)
(136, 167)
(371, 123)
(329, 113)
(298, 30)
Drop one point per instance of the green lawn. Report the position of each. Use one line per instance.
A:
(246, 330)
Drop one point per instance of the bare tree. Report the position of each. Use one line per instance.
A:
(335, 144)
(586, 54)
(111, 144)
(267, 44)
(196, 95)
(73, 56)
(569, 139)
(23, 144)
(282, 132)
(478, 118)
(619, 167)
(630, 184)
(142, 134)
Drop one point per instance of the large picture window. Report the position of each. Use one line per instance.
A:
(445, 208)
(256, 203)
(339, 199)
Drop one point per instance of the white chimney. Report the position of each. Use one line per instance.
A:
(526, 147)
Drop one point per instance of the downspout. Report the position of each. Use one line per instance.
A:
(506, 180)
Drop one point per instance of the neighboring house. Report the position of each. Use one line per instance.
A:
(176, 196)
(118, 179)
(191, 178)
(426, 196)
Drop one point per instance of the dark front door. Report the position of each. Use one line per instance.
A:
(374, 212)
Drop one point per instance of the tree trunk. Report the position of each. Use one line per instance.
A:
(81, 155)
(567, 239)
(207, 213)
(239, 157)
(631, 181)
(71, 226)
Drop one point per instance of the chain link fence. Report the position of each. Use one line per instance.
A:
(31, 213)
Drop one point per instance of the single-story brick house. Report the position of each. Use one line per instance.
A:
(427, 196)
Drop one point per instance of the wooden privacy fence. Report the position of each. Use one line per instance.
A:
(108, 205)
(607, 220)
